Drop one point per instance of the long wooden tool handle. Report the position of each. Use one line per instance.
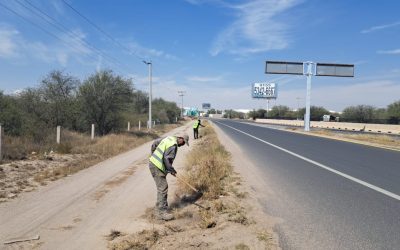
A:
(182, 180)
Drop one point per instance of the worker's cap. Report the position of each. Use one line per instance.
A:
(186, 138)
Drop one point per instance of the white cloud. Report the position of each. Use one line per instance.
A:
(199, 2)
(195, 2)
(15, 47)
(8, 46)
(390, 52)
(378, 93)
(256, 28)
(148, 52)
(380, 27)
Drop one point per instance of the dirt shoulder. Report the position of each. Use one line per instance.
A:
(227, 216)
(113, 201)
(78, 211)
(77, 153)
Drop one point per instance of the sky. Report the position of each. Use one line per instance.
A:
(213, 50)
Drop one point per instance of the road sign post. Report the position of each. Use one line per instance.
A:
(309, 69)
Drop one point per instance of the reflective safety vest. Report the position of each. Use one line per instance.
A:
(157, 157)
(196, 124)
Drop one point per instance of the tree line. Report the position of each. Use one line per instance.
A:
(104, 98)
(358, 113)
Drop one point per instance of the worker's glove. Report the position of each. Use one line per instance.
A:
(173, 172)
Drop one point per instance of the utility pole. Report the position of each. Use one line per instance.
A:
(181, 94)
(150, 90)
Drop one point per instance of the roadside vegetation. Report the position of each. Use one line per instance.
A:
(373, 139)
(77, 152)
(105, 99)
(29, 118)
(219, 217)
(357, 114)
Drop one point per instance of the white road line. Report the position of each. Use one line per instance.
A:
(366, 184)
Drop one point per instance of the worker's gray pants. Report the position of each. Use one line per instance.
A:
(160, 179)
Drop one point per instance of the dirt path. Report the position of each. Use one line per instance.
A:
(78, 211)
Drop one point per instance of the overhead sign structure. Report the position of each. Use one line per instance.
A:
(309, 69)
(275, 67)
(206, 105)
(265, 90)
(341, 70)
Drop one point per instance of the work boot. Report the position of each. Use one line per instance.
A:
(164, 215)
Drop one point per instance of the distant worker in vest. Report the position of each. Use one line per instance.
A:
(196, 127)
(163, 153)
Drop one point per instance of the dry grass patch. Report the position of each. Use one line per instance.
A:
(264, 236)
(46, 161)
(216, 220)
(384, 140)
(237, 214)
(377, 139)
(144, 239)
(207, 166)
(242, 246)
(207, 219)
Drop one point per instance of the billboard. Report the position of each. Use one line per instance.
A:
(206, 105)
(265, 90)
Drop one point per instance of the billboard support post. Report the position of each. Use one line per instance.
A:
(309, 68)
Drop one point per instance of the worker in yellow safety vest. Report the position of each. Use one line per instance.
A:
(196, 127)
(163, 153)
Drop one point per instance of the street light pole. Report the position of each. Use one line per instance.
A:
(181, 94)
(150, 90)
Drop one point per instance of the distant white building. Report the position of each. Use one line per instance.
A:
(243, 110)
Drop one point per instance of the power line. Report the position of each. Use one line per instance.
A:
(103, 32)
(34, 24)
(43, 29)
(38, 12)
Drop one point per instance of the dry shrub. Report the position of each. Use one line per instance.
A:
(182, 214)
(142, 240)
(242, 246)
(207, 219)
(114, 234)
(208, 165)
(264, 236)
(219, 206)
(236, 214)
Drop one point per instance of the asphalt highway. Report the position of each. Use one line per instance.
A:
(328, 194)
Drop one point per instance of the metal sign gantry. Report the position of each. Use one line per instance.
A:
(309, 69)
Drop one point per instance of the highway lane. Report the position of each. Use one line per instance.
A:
(319, 208)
